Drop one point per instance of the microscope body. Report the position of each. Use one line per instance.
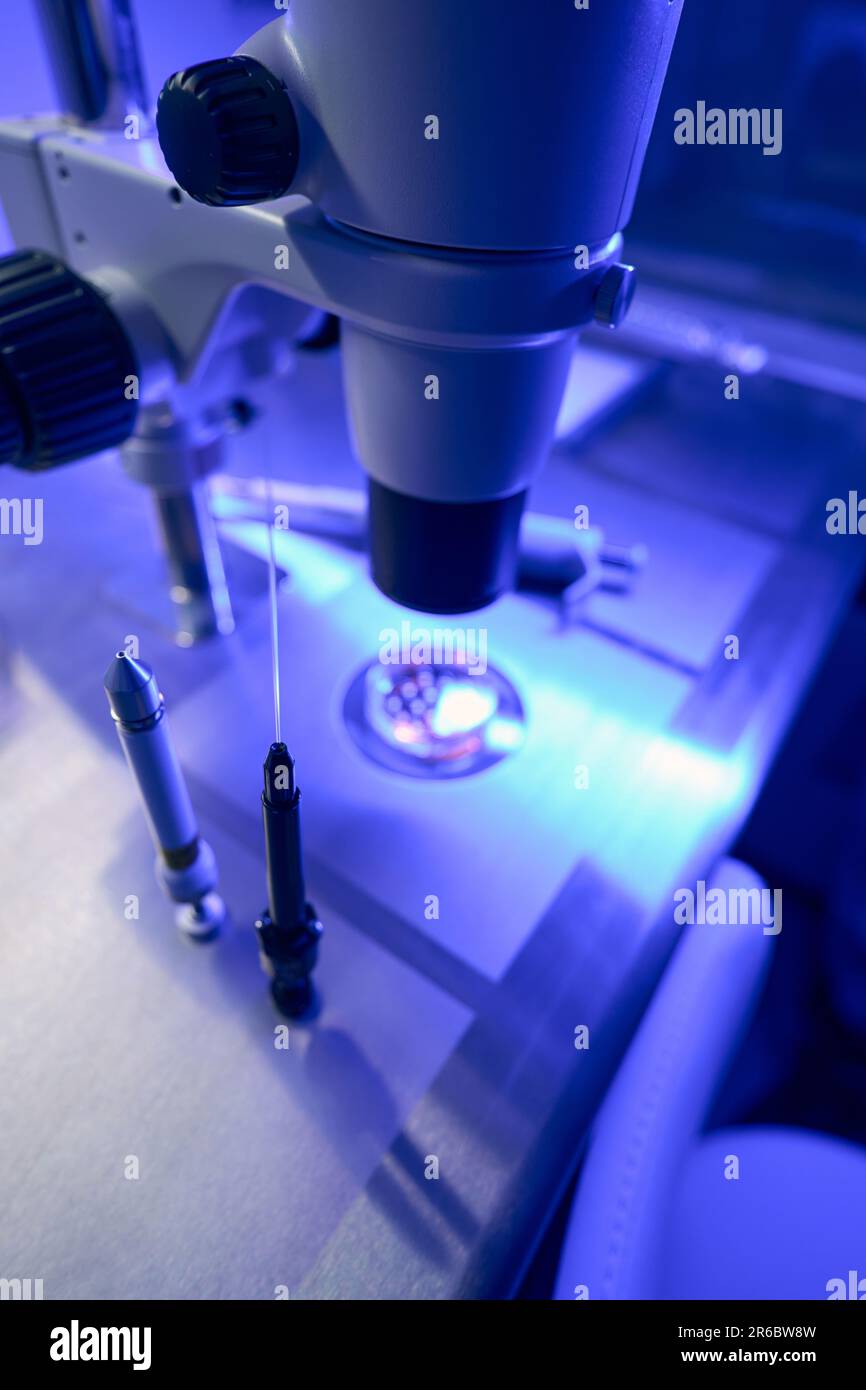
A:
(489, 127)
(451, 181)
(497, 140)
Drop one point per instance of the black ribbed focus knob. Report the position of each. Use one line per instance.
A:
(228, 132)
(66, 365)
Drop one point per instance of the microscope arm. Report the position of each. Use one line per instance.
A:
(171, 273)
(96, 356)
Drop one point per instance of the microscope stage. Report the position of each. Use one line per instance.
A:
(492, 847)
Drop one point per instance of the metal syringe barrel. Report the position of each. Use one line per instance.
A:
(186, 867)
(138, 711)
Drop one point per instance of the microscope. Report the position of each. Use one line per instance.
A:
(448, 182)
(451, 182)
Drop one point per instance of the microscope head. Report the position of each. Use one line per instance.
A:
(489, 153)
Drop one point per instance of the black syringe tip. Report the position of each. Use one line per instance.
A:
(279, 775)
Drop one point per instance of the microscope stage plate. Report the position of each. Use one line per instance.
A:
(492, 848)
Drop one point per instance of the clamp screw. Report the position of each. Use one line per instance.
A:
(614, 295)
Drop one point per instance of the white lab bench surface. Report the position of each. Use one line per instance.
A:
(304, 1168)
